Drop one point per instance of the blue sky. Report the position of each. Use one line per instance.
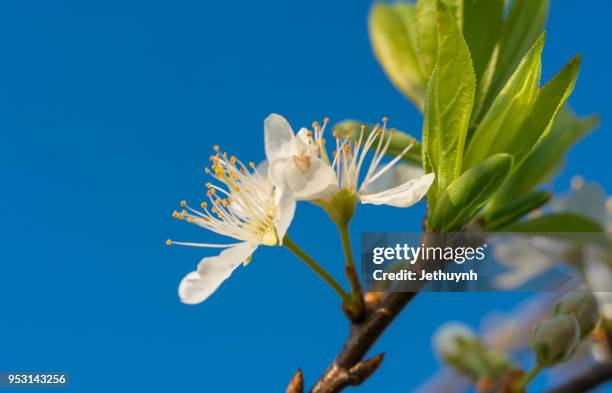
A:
(108, 111)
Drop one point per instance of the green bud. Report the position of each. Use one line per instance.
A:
(393, 38)
(555, 340)
(581, 305)
(452, 339)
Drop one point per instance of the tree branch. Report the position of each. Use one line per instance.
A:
(364, 334)
(359, 342)
(591, 378)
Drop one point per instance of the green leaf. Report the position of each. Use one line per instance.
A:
(427, 29)
(427, 36)
(523, 25)
(448, 105)
(482, 28)
(546, 158)
(466, 196)
(392, 32)
(556, 222)
(399, 139)
(549, 102)
(515, 209)
(507, 114)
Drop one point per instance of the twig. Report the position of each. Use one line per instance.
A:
(359, 342)
(364, 334)
(297, 383)
(591, 378)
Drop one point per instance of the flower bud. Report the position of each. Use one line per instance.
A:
(393, 38)
(451, 339)
(581, 305)
(555, 340)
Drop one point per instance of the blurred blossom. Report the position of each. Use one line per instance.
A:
(529, 257)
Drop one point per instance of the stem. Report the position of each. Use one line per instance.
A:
(526, 380)
(295, 249)
(351, 271)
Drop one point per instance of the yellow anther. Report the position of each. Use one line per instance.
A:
(168, 242)
(183, 203)
(206, 219)
(252, 165)
(204, 205)
(232, 160)
(176, 214)
(216, 148)
(189, 219)
(309, 134)
(326, 120)
(208, 185)
(385, 119)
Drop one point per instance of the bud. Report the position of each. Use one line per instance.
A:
(393, 37)
(555, 340)
(581, 305)
(452, 339)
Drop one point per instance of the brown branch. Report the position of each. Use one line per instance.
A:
(364, 334)
(591, 378)
(359, 342)
(297, 383)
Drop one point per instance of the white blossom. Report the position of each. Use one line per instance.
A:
(241, 204)
(299, 163)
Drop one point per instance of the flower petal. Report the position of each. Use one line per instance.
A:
(284, 215)
(526, 258)
(278, 136)
(599, 278)
(197, 286)
(305, 178)
(396, 176)
(404, 195)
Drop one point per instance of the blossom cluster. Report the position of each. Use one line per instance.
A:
(256, 204)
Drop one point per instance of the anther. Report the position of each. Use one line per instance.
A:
(183, 203)
(168, 242)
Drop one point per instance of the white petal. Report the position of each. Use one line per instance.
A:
(197, 286)
(278, 137)
(589, 201)
(405, 195)
(526, 257)
(396, 176)
(313, 179)
(517, 277)
(284, 215)
(599, 278)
